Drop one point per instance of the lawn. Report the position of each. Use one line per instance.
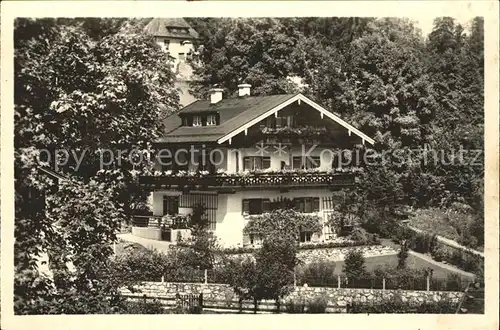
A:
(392, 261)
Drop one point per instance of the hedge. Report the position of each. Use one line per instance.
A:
(441, 307)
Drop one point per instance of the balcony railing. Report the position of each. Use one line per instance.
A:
(252, 180)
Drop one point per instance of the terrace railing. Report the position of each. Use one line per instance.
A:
(157, 221)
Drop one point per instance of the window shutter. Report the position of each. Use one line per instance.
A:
(266, 162)
(266, 205)
(255, 163)
(307, 205)
(296, 162)
(245, 206)
(247, 163)
(316, 204)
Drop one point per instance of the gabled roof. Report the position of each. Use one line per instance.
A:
(233, 112)
(237, 115)
(158, 27)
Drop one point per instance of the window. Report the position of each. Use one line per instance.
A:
(197, 121)
(306, 204)
(305, 236)
(211, 120)
(182, 56)
(256, 163)
(166, 42)
(256, 206)
(299, 162)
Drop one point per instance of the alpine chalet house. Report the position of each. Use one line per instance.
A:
(237, 155)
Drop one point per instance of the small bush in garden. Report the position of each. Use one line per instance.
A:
(317, 305)
(295, 306)
(144, 307)
(439, 254)
(454, 282)
(140, 265)
(354, 264)
(358, 234)
(402, 278)
(318, 273)
(441, 307)
(403, 255)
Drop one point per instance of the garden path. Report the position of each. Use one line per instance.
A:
(388, 242)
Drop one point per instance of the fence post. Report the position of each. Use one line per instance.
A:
(338, 281)
(162, 278)
(383, 283)
(206, 276)
(428, 283)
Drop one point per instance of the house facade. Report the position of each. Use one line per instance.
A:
(237, 155)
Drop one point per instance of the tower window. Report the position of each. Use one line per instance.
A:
(197, 121)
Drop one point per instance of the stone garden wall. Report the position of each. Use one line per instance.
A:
(337, 298)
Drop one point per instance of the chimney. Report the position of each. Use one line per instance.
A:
(244, 90)
(215, 95)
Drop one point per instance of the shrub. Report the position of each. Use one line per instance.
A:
(402, 278)
(140, 265)
(439, 254)
(441, 307)
(402, 255)
(317, 305)
(423, 242)
(295, 306)
(354, 264)
(143, 307)
(464, 260)
(358, 234)
(454, 282)
(318, 273)
(380, 222)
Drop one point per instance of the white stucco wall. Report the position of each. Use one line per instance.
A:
(230, 220)
(175, 47)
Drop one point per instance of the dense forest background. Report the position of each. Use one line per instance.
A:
(93, 84)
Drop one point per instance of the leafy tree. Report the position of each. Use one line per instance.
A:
(403, 255)
(202, 243)
(345, 213)
(82, 93)
(275, 262)
(354, 264)
(255, 51)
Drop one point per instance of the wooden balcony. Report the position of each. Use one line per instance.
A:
(260, 180)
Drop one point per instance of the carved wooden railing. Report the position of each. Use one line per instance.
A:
(252, 180)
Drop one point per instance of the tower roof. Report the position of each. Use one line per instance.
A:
(171, 27)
